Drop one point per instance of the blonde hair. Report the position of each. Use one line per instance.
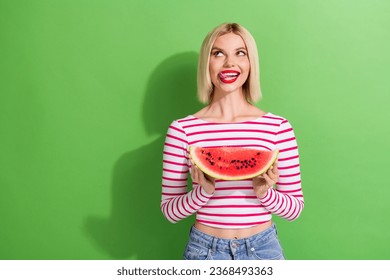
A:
(251, 87)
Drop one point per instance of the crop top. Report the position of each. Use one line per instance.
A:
(233, 203)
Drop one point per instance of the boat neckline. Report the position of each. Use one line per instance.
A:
(250, 120)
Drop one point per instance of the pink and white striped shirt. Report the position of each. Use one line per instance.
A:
(234, 203)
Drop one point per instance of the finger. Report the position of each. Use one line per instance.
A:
(200, 175)
(258, 178)
(275, 168)
(259, 181)
(209, 178)
(275, 175)
(269, 181)
(195, 173)
(276, 172)
(271, 173)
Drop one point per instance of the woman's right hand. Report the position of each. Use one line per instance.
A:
(205, 181)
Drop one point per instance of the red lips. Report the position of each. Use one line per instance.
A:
(228, 76)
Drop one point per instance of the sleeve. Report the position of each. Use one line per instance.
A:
(286, 200)
(176, 202)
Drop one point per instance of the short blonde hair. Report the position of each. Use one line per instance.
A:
(251, 87)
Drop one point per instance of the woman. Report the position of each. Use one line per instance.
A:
(233, 218)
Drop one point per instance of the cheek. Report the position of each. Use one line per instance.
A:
(213, 66)
(213, 71)
(246, 65)
(246, 69)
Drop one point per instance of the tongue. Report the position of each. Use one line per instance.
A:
(226, 76)
(222, 76)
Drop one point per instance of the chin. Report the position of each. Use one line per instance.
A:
(230, 88)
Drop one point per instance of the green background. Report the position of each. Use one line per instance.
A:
(88, 89)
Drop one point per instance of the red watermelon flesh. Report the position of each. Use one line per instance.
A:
(233, 163)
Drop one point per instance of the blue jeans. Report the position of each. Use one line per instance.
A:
(261, 246)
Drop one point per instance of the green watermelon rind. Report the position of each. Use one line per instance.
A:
(215, 175)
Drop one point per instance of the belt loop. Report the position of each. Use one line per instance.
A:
(214, 245)
(274, 227)
(249, 247)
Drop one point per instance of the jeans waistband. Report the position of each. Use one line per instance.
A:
(222, 244)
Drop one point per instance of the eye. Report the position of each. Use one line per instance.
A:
(241, 53)
(218, 53)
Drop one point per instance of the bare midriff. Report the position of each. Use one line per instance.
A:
(232, 233)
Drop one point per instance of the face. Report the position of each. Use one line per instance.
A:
(229, 63)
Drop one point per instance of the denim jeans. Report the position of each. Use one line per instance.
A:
(262, 246)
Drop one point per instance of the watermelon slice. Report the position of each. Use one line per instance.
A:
(232, 163)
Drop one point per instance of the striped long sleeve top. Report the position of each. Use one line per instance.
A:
(233, 203)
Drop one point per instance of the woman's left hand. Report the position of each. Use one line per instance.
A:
(262, 183)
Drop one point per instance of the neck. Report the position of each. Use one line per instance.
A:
(229, 106)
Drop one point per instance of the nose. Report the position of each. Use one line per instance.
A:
(229, 62)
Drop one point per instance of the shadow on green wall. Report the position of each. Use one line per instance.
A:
(136, 228)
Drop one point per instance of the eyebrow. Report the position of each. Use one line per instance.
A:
(220, 49)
